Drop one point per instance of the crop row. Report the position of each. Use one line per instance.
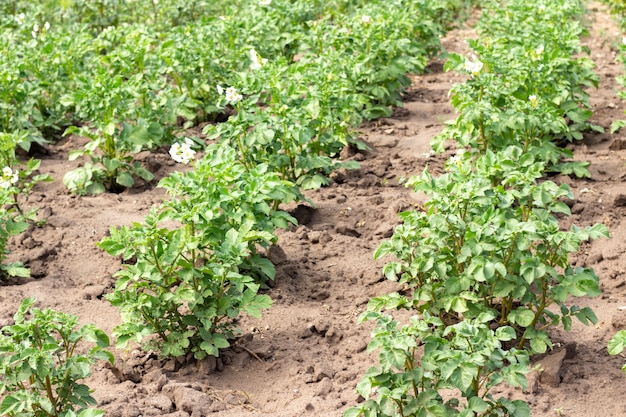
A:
(293, 79)
(485, 266)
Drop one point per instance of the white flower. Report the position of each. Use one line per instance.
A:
(473, 67)
(46, 26)
(182, 152)
(539, 51)
(456, 159)
(366, 20)
(265, 2)
(232, 95)
(533, 100)
(256, 62)
(35, 30)
(20, 18)
(8, 177)
(220, 90)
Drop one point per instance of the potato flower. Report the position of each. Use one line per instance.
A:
(257, 60)
(8, 177)
(473, 67)
(232, 95)
(456, 159)
(533, 100)
(182, 152)
(366, 20)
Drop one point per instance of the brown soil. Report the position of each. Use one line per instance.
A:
(305, 356)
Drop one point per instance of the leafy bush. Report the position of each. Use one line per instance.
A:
(16, 183)
(527, 84)
(489, 242)
(40, 364)
(195, 263)
(420, 359)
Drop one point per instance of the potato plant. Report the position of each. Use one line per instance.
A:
(489, 241)
(530, 89)
(485, 266)
(41, 364)
(195, 265)
(17, 180)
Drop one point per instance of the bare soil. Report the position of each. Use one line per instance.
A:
(306, 355)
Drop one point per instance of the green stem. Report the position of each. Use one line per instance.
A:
(154, 324)
(50, 395)
(289, 152)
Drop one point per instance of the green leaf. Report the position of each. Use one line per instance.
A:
(15, 228)
(91, 412)
(313, 182)
(219, 341)
(16, 269)
(354, 412)
(505, 333)
(125, 179)
(586, 316)
(521, 316)
(538, 345)
(395, 358)
(143, 173)
(478, 405)
(12, 405)
(257, 304)
(617, 344)
(75, 154)
(617, 125)
(520, 409)
(111, 164)
(96, 188)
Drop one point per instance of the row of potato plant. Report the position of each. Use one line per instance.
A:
(617, 344)
(195, 262)
(485, 266)
(129, 86)
(193, 265)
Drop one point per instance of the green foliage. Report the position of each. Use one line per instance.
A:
(40, 364)
(16, 183)
(530, 90)
(489, 242)
(112, 149)
(485, 266)
(189, 282)
(420, 359)
(109, 67)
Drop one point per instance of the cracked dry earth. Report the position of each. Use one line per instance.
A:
(307, 353)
